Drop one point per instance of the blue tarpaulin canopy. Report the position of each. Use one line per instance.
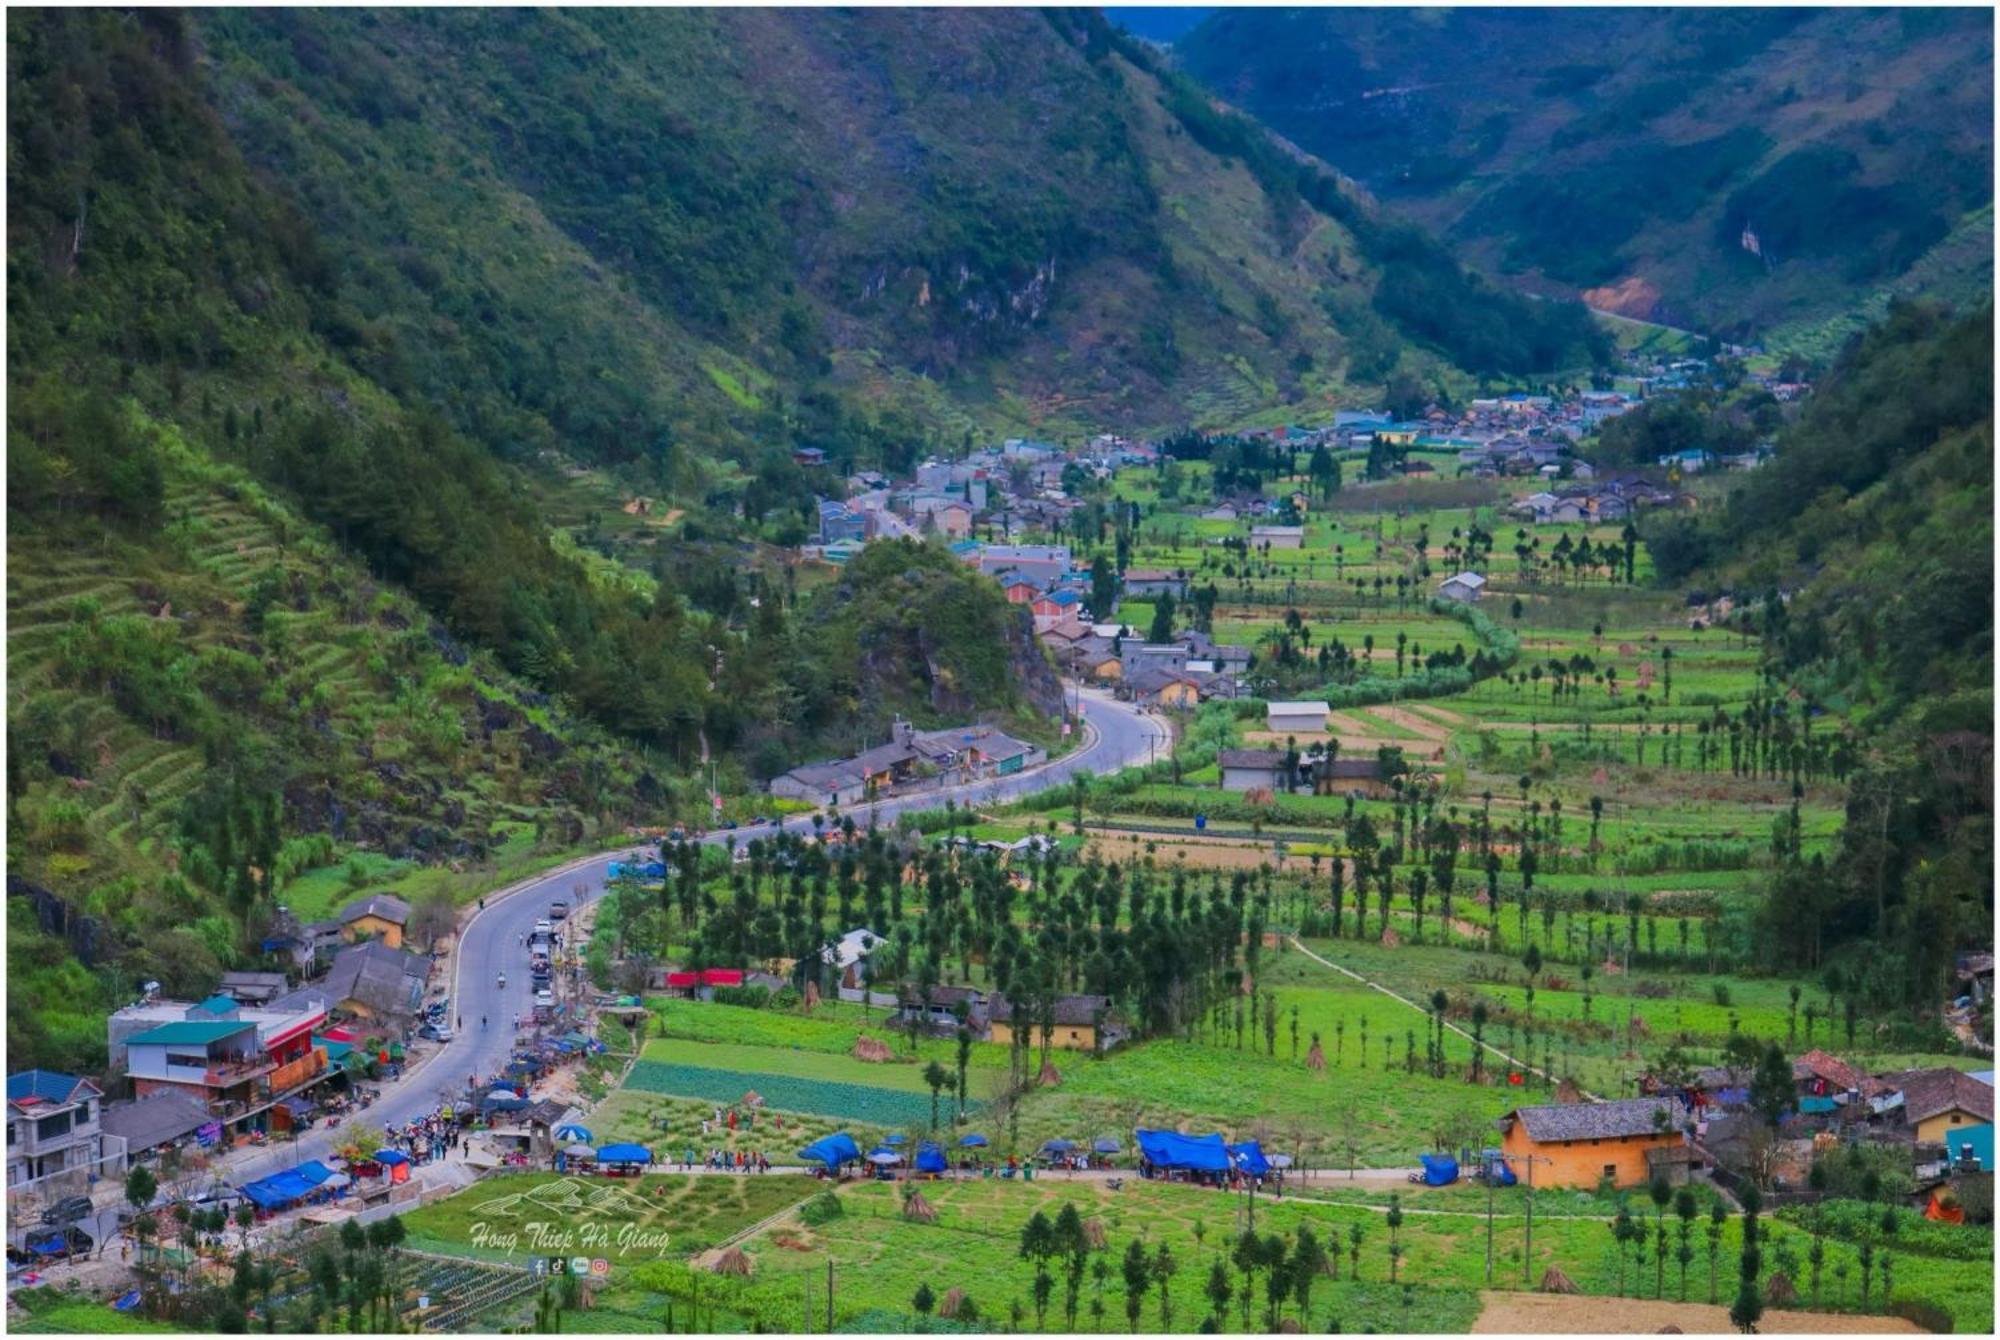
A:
(572, 1131)
(624, 1154)
(1817, 1107)
(930, 1159)
(1105, 1146)
(390, 1158)
(972, 1141)
(1195, 1153)
(281, 1189)
(894, 1139)
(1249, 1158)
(833, 1150)
(1439, 1169)
(884, 1157)
(1059, 1146)
(504, 1100)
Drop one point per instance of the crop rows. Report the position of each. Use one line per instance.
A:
(857, 1102)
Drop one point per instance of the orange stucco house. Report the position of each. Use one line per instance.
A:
(1581, 1144)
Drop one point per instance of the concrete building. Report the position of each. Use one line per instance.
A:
(1277, 537)
(1466, 586)
(1303, 718)
(54, 1126)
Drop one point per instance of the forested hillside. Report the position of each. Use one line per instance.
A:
(335, 333)
(1865, 550)
(1753, 172)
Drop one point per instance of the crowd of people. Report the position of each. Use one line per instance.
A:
(727, 1160)
(429, 1138)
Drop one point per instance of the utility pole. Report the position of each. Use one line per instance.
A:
(1489, 1225)
(829, 1295)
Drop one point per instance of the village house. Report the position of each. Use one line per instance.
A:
(1053, 607)
(1075, 1023)
(1176, 690)
(700, 983)
(1043, 564)
(838, 521)
(1147, 583)
(1277, 537)
(154, 1122)
(1466, 587)
(810, 457)
(253, 988)
(1018, 590)
(53, 1126)
(1301, 718)
(1939, 1101)
(376, 981)
(380, 916)
(1251, 769)
(1138, 656)
(940, 1011)
(244, 1065)
(1583, 1144)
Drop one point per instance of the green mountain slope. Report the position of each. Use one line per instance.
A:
(340, 338)
(1627, 152)
(1867, 547)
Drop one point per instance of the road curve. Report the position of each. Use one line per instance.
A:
(491, 942)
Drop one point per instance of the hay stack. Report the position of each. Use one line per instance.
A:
(1670, 1329)
(1093, 1233)
(1554, 1281)
(1567, 1092)
(1779, 1292)
(1316, 1057)
(1050, 1076)
(1389, 937)
(954, 1298)
(872, 1049)
(812, 995)
(918, 1210)
(733, 1261)
(1290, 1326)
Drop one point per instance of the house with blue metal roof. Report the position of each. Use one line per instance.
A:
(54, 1125)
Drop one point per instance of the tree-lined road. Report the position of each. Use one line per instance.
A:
(492, 940)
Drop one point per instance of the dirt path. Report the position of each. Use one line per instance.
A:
(1404, 1000)
(1560, 1314)
(1408, 720)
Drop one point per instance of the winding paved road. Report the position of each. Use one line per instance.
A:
(1117, 736)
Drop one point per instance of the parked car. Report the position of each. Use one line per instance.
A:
(557, 911)
(68, 1210)
(436, 1032)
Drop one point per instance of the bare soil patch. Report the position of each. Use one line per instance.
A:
(1561, 1314)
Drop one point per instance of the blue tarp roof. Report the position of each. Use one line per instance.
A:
(390, 1158)
(1171, 1149)
(1249, 1158)
(974, 1141)
(930, 1158)
(624, 1154)
(833, 1150)
(283, 1188)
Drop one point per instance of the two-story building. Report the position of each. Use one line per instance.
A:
(54, 1125)
(239, 1061)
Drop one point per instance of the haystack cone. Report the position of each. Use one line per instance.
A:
(1316, 1057)
(1779, 1291)
(1050, 1075)
(954, 1298)
(1554, 1281)
(733, 1261)
(872, 1049)
(919, 1210)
